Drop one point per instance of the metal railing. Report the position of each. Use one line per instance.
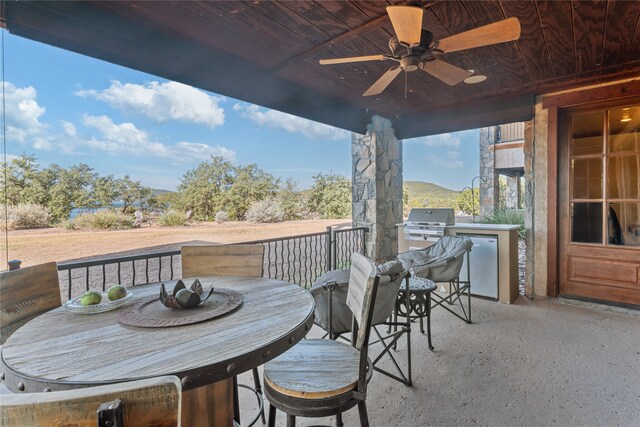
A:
(509, 132)
(298, 259)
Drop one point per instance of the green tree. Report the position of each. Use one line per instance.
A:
(290, 200)
(163, 201)
(330, 196)
(130, 192)
(105, 191)
(24, 183)
(249, 185)
(469, 201)
(72, 189)
(202, 189)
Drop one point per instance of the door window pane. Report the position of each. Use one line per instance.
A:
(587, 178)
(586, 133)
(622, 177)
(586, 222)
(624, 224)
(624, 128)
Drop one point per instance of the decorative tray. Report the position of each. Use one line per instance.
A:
(74, 306)
(151, 312)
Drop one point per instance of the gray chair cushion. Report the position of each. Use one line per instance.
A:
(440, 262)
(391, 274)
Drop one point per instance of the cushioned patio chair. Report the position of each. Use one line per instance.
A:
(228, 260)
(442, 263)
(334, 315)
(320, 377)
(145, 403)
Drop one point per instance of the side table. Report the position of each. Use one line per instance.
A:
(419, 303)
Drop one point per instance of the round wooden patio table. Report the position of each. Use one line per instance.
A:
(60, 350)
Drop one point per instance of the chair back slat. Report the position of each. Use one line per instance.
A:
(145, 403)
(27, 293)
(361, 295)
(222, 260)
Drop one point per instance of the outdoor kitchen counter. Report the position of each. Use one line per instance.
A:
(507, 234)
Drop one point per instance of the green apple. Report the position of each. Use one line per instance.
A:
(90, 298)
(116, 292)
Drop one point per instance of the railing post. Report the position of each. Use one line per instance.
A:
(329, 244)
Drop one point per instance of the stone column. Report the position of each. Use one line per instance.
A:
(512, 198)
(489, 183)
(377, 187)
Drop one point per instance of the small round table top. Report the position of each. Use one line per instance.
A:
(60, 350)
(418, 284)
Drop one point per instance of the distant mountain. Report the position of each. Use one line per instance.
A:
(429, 191)
(159, 191)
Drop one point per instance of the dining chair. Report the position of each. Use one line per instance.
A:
(222, 260)
(145, 403)
(321, 378)
(334, 315)
(27, 293)
(227, 260)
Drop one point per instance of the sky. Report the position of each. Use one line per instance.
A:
(66, 108)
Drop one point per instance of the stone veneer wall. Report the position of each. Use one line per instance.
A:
(512, 196)
(377, 187)
(529, 208)
(489, 184)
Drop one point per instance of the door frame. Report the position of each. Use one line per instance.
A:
(607, 96)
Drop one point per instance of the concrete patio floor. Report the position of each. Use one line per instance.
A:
(533, 363)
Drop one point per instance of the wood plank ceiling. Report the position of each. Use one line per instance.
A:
(267, 52)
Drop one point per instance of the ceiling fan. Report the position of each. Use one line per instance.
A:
(413, 48)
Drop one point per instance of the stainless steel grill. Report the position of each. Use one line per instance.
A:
(428, 224)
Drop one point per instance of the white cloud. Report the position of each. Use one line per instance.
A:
(451, 140)
(278, 120)
(126, 138)
(449, 161)
(69, 129)
(162, 102)
(201, 151)
(23, 114)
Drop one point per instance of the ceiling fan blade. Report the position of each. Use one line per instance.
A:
(352, 59)
(499, 32)
(407, 23)
(384, 81)
(450, 74)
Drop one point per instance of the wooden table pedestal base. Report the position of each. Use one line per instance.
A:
(209, 406)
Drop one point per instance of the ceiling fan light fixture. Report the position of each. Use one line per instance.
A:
(626, 116)
(477, 78)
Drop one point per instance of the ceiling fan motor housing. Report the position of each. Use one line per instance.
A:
(410, 63)
(410, 58)
(399, 50)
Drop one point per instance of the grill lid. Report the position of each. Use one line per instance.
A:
(432, 216)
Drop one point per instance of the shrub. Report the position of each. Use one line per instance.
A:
(69, 224)
(105, 220)
(25, 216)
(222, 216)
(267, 210)
(172, 219)
(505, 216)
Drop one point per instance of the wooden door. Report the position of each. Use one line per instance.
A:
(599, 203)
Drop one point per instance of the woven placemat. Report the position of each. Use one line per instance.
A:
(151, 313)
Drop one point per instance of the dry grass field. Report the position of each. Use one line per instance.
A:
(59, 244)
